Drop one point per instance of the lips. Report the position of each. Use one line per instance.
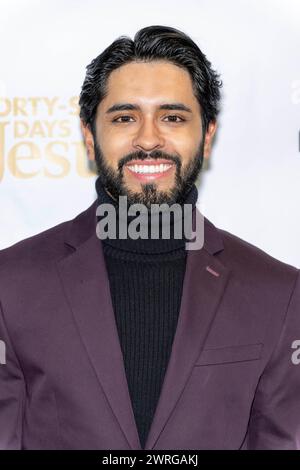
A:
(149, 170)
(151, 161)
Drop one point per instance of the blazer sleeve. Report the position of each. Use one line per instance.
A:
(12, 393)
(275, 415)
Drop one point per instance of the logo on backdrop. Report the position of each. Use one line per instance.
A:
(41, 136)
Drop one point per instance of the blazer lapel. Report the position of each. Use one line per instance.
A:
(204, 284)
(84, 277)
(86, 285)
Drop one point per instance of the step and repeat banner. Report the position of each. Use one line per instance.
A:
(251, 186)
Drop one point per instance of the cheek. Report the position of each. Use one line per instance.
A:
(113, 133)
(187, 142)
(186, 151)
(113, 148)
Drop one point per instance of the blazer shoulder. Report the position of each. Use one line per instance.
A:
(41, 248)
(248, 258)
(43, 244)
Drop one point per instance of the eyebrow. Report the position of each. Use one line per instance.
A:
(135, 107)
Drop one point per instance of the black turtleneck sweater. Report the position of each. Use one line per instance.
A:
(146, 279)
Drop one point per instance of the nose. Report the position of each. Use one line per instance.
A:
(148, 137)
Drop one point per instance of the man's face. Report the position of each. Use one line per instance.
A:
(149, 142)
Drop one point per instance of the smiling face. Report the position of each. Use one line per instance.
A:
(149, 142)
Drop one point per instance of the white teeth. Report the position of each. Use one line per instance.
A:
(149, 169)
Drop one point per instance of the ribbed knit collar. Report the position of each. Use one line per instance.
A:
(148, 245)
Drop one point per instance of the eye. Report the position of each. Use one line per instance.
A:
(174, 116)
(125, 118)
(122, 117)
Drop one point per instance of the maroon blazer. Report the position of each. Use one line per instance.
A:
(231, 382)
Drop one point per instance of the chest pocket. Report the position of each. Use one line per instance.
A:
(228, 354)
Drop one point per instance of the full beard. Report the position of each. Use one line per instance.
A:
(113, 181)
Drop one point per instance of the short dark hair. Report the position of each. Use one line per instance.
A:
(149, 44)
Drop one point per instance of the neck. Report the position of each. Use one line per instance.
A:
(150, 244)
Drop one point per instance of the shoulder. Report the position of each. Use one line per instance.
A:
(37, 252)
(241, 250)
(50, 244)
(41, 246)
(251, 264)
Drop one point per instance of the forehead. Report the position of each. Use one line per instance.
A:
(151, 82)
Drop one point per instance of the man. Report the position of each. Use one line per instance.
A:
(140, 343)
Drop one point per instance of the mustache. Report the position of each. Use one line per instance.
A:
(155, 154)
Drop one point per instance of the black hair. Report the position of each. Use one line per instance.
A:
(150, 44)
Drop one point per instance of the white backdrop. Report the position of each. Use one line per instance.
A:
(251, 187)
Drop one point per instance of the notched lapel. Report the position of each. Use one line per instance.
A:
(204, 285)
(86, 286)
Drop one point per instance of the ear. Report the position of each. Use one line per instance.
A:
(212, 127)
(88, 140)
